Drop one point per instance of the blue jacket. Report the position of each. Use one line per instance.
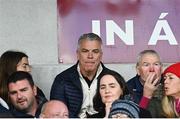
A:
(67, 88)
(136, 89)
(5, 113)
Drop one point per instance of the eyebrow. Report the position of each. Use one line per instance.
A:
(102, 85)
(25, 88)
(112, 84)
(90, 49)
(22, 89)
(108, 84)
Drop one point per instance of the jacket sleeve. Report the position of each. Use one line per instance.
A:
(144, 102)
(58, 89)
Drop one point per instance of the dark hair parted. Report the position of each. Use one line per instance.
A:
(8, 65)
(19, 76)
(97, 101)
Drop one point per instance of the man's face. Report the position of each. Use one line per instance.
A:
(55, 109)
(89, 55)
(149, 65)
(22, 95)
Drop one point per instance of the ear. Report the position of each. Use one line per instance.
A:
(35, 90)
(137, 70)
(161, 69)
(101, 55)
(77, 54)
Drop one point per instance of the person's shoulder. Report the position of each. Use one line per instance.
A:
(132, 80)
(40, 96)
(3, 109)
(71, 70)
(19, 114)
(105, 68)
(4, 112)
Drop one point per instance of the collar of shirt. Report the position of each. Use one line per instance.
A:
(97, 73)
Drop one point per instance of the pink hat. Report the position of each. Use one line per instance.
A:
(174, 68)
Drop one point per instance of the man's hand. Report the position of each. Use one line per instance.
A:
(150, 85)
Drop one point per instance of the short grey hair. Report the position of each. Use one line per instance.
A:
(90, 37)
(141, 54)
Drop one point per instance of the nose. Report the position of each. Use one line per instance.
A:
(19, 95)
(28, 68)
(166, 80)
(106, 90)
(90, 55)
(151, 68)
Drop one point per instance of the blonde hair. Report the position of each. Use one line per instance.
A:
(169, 107)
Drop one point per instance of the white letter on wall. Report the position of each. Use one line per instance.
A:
(162, 24)
(127, 37)
(96, 27)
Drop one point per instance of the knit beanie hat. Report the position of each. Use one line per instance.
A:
(127, 107)
(174, 68)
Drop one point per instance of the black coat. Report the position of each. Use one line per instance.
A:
(5, 113)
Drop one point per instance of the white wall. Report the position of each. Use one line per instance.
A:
(31, 26)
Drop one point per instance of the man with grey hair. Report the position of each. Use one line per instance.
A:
(77, 85)
(146, 86)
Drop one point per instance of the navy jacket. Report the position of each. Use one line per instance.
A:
(5, 113)
(67, 88)
(136, 89)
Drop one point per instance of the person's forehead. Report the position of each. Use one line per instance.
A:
(56, 104)
(23, 60)
(108, 79)
(150, 57)
(23, 81)
(170, 74)
(86, 42)
(19, 84)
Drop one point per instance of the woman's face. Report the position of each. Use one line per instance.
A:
(23, 65)
(110, 90)
(172, 85)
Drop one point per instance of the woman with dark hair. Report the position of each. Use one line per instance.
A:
(11, 61)
(111, 86)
